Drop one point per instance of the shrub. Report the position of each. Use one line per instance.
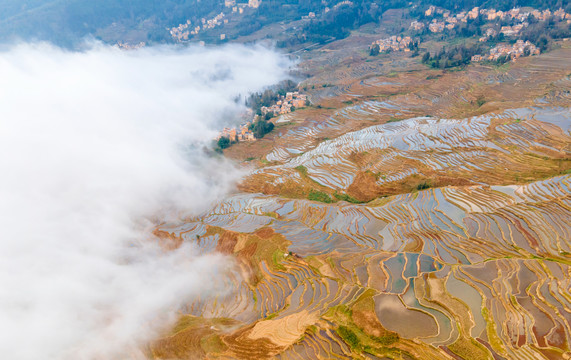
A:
(345, 197)
(348, 336)
(423, 186)
(315, 195)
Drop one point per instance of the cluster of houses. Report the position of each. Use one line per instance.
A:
(417, 25)
(513, 30)
(513, 52)
(311, 15)
(438, 26)
(127, 46)
(341, 3)
(183, 31)
(394, 43)
(243, 133)
(490, 32)
(449, 21)
(239, 8)
(517, 14)
(285, 104)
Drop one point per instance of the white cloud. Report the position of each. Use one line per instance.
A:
(93, 144)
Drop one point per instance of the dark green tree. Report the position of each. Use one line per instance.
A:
(223, 142)
(375, 49)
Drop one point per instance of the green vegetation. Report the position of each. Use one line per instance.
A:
(456, 56)
(315, 195)
(542, 33)
(277, 258)
(469, 349)
(271, 214)
(496, 4)
(224, 142)
(345, 197)
(271, 316)
(357, 339)
(68, 22)
(261, 127)
(387, 340)
(302, 170)
(348, 336)
(422, 186)
(212, 344)
(425, 58)
(375, 49)
(337, 23)
(480, 101)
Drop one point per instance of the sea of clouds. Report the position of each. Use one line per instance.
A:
(97, 147)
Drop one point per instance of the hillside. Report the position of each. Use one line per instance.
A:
(408, 196)
(407, 214)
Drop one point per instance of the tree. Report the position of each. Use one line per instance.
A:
(261, 128)
(375, 49)
(426, 57)
(223, 142)
(542, 43)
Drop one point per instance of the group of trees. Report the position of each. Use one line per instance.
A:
(542, 33)
(261, 127)
(337, 23)
(225, 142)
(456, 56)
(269, 96)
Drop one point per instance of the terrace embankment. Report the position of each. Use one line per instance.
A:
(515, 146)
(497, 124)
(476, 271)
(461, 251)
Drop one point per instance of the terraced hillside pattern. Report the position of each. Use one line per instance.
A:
(419, 214)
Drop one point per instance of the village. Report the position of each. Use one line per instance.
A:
(285, 104)
(128, 46)
(449, 21)
(243, 133)
(513, 52)
(184, 31)
(394, 43)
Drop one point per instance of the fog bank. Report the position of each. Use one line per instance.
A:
(93, 145)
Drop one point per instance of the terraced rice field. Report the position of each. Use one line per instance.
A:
(489, 149)
(480, 270)
(435, 236)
